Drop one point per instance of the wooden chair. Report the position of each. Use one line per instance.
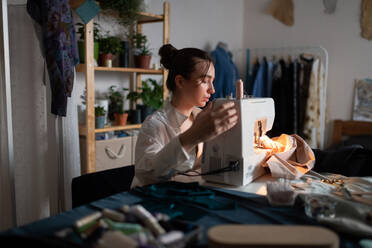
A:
(350, 128)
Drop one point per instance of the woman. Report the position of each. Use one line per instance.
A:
(170, 140)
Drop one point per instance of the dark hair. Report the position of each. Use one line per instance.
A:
(181, 62)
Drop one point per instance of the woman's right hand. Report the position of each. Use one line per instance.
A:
(209, 124)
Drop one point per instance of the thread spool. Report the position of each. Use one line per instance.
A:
(239, 89)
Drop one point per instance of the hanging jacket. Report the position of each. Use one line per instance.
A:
(250, 81)
(260, 82)
(60, 47)
(226, 73)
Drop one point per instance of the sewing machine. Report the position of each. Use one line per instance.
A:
(240, 146)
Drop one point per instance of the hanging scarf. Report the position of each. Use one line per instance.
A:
(60, 47)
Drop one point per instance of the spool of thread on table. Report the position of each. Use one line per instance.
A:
(148, 219)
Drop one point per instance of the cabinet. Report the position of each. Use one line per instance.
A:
(88, 131)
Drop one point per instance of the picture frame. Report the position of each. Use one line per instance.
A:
(362, 109)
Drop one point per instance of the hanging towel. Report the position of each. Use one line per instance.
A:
(226, 73)
(60, 47)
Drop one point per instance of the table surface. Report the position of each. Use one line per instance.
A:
(249, 209)
(258, 186)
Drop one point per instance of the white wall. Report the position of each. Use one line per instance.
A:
(350, 56)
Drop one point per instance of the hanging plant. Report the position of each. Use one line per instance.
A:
(127, 9)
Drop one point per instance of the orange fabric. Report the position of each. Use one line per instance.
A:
(289, 156)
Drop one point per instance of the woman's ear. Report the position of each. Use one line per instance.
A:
(180, 81)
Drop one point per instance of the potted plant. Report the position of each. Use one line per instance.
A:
(116, 106)
(134, 114)
(142, 54)
(99, 112)
(151, 96)
(121, 116)
(128, 10)
(96, 37)
(108, 47)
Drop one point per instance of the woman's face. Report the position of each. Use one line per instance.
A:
(199, 87)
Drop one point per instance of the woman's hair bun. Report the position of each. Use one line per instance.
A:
(167, 53)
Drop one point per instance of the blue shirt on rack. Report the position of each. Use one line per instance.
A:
(226, 73)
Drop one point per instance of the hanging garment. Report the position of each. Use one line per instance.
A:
(296, 71)
(226, 73)
(282, 94)
(270, 71)
(289, 86)
(248, 74)
(303, 91)
(60, 47)
(322, 114)
(276, 87)
(260, 82)
(312, 119)
(250, 83)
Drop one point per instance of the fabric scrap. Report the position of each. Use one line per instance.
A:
(88, 10)
(289, 156)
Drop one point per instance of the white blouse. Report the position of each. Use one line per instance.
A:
(159, 153)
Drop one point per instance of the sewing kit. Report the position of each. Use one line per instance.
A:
(131, 226)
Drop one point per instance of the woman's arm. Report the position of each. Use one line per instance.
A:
(155, 158)
(209, 124)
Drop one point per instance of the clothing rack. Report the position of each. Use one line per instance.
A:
(294, 51)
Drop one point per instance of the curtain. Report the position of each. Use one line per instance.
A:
(36, 147)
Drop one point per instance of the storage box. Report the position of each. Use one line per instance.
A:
(111, 153)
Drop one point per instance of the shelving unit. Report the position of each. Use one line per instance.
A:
(88, 131)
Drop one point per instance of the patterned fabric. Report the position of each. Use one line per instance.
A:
(312, 127)
(60, 47)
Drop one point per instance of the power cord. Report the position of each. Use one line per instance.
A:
(233, 166)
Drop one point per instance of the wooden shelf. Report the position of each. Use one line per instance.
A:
(145, 17)
(83, 129)
(81, 68)
(127, 69)
(88, 131)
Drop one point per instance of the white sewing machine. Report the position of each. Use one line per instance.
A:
(241, 143)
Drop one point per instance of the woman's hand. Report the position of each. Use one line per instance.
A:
(209, 124)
